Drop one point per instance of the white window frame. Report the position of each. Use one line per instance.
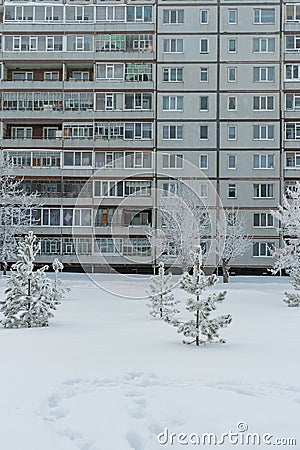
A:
(173, 161)
(233, 187)
(169, 71)
(263, 42)
(264, 132)
(268, 187)
(204, 70)
(295, 72)
(174, 102)
(173, 16)
(257, 12)
(204, 16)
(204, 40)
(230, 97)
(207, 129)
(229, 166)
(205, 157)
(234, 70)
(230, 129)
(207, 102)
(235, 45)
(174, 128)
(173, 45)
(264, 74)
(265, 218)
(266, 161)
(232, 20)
(265, 249)
(263, 102)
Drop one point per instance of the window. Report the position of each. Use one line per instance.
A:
(22, 76)
(80, 76)
(173, 45)
(231, 132)
(77, 159)
(135, 101)
(292, 43)
(263, 220)
(204, 45)
(204, 15)
(263, 132)
(173, 16)
(263, 248)
(172, 132)
(292, 160)
(231, 161)
(21, 133)
(232, 16)
(138, 13)
(138, 72)
(232, 192)
(264, 16)
(263, 74)
(54, 43)
(109, 71)
(263, 103)
(203, 190)
(232, 45)
(51, 76)
(173, 161)
(292, 13)
(137, 130)
(204, 103)
(231, 104)
(263, 45)
(169, 188)
(173, 103)
(203, 74)
(231, 74)
(292, 131)
(263, 190)
(108, 246)
(292, 72)
(203, 131)
(172, 74)
(77, 217)
(263, 161)
(292, 102)
(203, 161)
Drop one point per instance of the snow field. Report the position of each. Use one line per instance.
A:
(107, 376)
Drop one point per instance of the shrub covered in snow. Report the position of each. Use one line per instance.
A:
(162, 301)
(202, 328)
(31, 296)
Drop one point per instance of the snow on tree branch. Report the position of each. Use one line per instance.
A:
(288, 257)
(201, 329)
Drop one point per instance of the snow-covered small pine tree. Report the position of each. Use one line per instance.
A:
(288, 257)
(30, 295)
(162, 301)
(59, 290)
(202, 329)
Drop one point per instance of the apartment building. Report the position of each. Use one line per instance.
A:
(106, 103)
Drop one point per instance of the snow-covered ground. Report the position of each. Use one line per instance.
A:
(107, 376)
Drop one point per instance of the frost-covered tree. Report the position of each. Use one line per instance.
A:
(288, 256)
(59, 290)
(15, 211)
(202, 328)
(30, 295)
(232, 240)
(162, 301)
(185, 222)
